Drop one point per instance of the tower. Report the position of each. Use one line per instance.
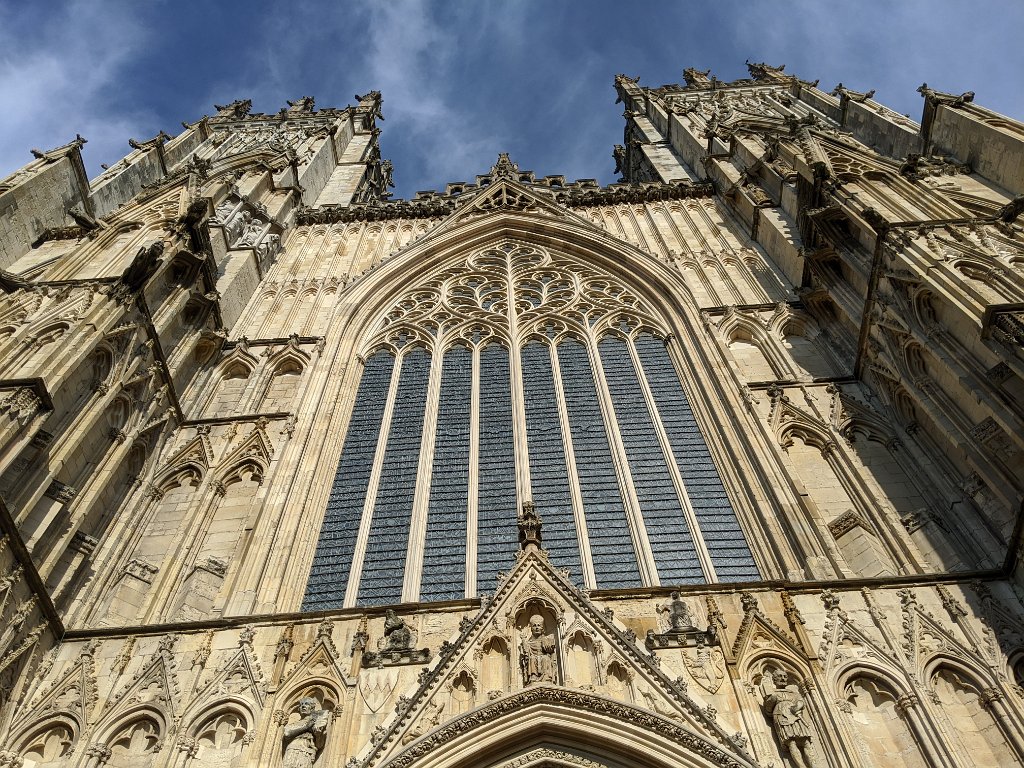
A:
(719, 465)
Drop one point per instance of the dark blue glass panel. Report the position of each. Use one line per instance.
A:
(549, 477)
(718, 524)
(329, 575)
(444, 551)
(384, 563)
(611, 546)
(497, 533)
(667, 530)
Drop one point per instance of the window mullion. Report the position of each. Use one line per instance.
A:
(582, 535)
(418, 520)
(703, 555)
(638, 529)
(474, 475)
(521, 451)
(355, 574)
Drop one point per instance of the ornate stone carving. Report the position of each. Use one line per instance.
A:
(845, 523)
(537, 653)
(58, 491)
(530, 526)
(304, 741)
(575, 700)
(787, 710)
(681, 632)
(141, 569)
(396, 646)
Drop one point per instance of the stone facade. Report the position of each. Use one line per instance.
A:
(840, 292)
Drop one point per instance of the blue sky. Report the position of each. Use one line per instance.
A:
(463, 80)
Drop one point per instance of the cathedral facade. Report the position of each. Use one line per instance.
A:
(719, 465)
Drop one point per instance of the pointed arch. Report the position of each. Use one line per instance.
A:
(558, 261)
(46, 742)
(559, 718)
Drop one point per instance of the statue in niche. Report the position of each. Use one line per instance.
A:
(304, 740)
(252, 232)
(538, 654)
(237, 225)
(787, 709)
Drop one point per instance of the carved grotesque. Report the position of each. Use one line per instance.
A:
(787, 709)
(538, 654)
(143, 266)
(304, 740)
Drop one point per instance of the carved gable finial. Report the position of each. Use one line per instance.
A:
(505, 168)
(530, 525)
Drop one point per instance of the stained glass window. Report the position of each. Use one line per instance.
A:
(557, 387)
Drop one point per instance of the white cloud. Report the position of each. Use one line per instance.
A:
(55, 80)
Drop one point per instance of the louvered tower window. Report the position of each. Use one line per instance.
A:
(513, 375)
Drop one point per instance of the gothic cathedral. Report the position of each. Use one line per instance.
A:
(719, 465)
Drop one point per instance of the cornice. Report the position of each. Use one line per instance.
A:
(442, 205)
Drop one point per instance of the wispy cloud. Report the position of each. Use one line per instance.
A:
(463, 81)
(59, 78)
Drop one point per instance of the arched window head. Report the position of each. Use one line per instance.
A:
(510, 374)
(48, 745)
(223, 732)
(138, 739)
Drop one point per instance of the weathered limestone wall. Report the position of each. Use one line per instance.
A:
(179, 359)
(875, 669)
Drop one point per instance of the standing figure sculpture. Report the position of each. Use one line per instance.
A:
(537, 656)
(304, 740)
(787, 708)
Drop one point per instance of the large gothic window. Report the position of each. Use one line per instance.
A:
(517, 375)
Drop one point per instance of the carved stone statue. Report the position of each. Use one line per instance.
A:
(396, 646)
(678, 614)
(143, 266)
(538, 654)
(237, 225)
(252, 232)
(787, 708)
(397, 636)
(304, 740)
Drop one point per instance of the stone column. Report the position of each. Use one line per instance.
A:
(908, 706)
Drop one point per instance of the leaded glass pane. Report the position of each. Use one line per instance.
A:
(611, 546)
(671, 541)
(497, 534)
(328, 578)
(718, 524)
(444, 550)
(384, 562)
(549, 478)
